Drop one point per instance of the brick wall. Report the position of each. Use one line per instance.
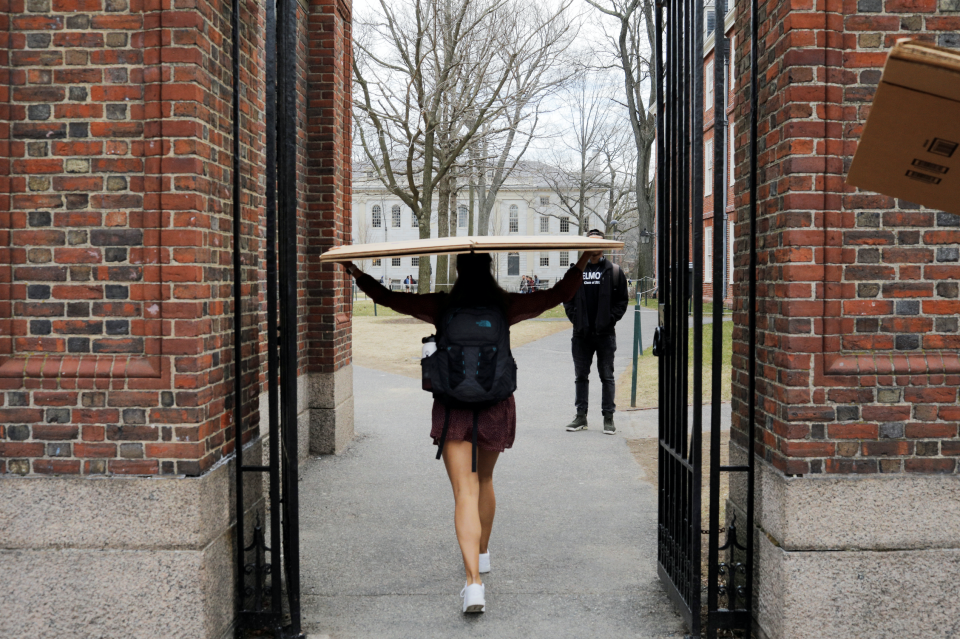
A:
(328, 203)
(116, 350)
(858, 369)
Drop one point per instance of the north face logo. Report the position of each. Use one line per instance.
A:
(484, 324)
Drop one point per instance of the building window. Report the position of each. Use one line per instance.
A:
(564, 224)
(708, 167)
(395, 261)
(462, 215)
(544, 224)
(513, 264)
(544, 259)
(415, 261)
(730, 144)
(376, 262)
(708, 93)
(414, 222)
(395, 213)
(729, 253)
(514, 219)
(544, 200)
(377, 217)
(708, 254)
(564, 258)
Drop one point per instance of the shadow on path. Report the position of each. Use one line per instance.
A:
(574, 543)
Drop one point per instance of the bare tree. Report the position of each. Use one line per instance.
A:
(538, 73)
(589, 170)
(432, 75)
(632, 42)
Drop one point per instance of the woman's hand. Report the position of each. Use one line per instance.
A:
(584, 258)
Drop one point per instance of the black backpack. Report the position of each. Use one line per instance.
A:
(473, 366)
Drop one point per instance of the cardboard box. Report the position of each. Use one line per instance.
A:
(910, 147)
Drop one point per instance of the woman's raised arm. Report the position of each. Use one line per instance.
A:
(423, 307)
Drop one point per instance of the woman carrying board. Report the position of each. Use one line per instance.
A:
(472, 440)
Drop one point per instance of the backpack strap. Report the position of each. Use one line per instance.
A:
(443, 433)
(446, 425)
(616, 274)
(475, 431)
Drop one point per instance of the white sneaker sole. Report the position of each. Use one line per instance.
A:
(573, 429)
(474, 600)
(609, 432)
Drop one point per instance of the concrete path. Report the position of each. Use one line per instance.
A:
(574, 543)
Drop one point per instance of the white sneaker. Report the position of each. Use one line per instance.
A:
(485, 562)
(473, 598)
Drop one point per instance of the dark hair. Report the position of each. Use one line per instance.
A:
(475, 285)
(594, 232)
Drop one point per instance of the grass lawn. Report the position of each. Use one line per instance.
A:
(707, 306)
(648, 371)
(390, 341)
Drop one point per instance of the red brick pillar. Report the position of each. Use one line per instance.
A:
(858, 370)
(327, 207)
(116, 329)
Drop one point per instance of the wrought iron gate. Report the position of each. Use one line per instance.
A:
(264, 566)
(680, 175)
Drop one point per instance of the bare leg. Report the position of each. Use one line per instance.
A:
(457, 457)
(486, 460)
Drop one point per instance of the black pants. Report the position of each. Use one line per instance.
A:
(584, 347)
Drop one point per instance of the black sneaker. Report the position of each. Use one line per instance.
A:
(579, 423)
(608, 427)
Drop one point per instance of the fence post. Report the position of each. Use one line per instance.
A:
(637, 336)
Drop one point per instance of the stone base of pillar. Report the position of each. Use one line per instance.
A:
(127, 557)
(331, 411)
(853, 556)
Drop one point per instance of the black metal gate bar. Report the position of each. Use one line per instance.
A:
(287, 58)
(254, 612)
(752, 292)
(680, 219)
(273, 355)
(725, 579)
(237, 305)
(719, 182)
(679, 76)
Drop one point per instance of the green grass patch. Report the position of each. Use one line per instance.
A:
(648, 372)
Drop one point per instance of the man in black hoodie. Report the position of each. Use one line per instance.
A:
(594, 310)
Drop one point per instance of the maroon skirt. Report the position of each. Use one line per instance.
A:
(496, 426)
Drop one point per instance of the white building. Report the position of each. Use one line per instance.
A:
(523, 206)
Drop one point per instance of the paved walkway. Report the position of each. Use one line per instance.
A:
(574, 543)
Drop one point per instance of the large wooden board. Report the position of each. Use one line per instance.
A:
(487, 244)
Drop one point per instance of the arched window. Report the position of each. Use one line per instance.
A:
(377, 217)
(514, 219)
(462, 215)
(395, 214)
